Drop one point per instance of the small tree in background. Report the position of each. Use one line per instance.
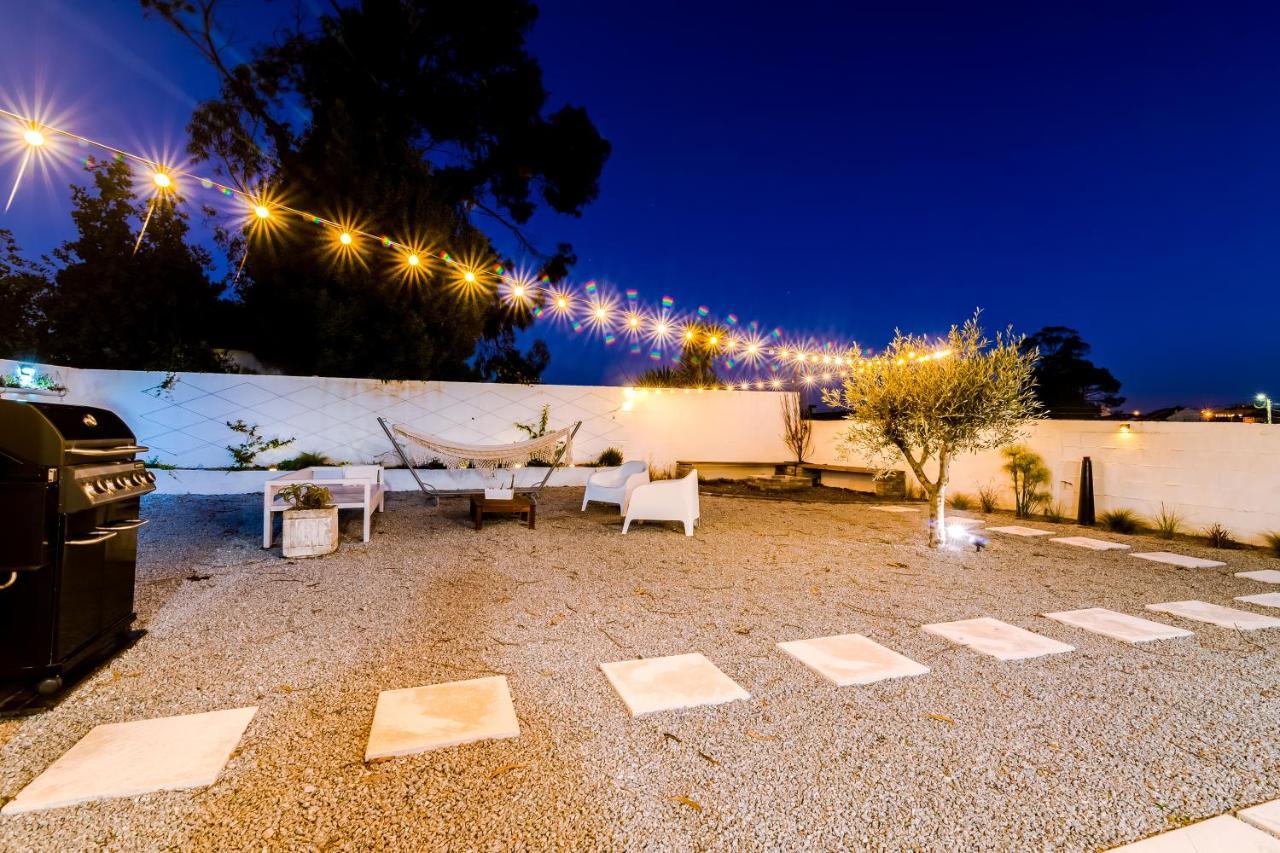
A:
(928, 402)
(797, 431)
(1029, 473)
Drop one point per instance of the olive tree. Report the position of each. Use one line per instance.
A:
(928, 401)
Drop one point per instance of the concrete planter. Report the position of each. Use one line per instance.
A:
(310, 532)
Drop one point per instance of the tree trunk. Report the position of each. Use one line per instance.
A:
(937, 517)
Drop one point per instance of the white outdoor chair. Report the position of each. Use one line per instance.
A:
(665, 500)
(615, 485)
(352, 487)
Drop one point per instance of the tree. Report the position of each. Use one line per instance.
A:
(391, 114)
(696, 366)
(23, 285)
(111, 306)
(1068, 384)
(1029, 473)
(797, 430)
(928, 404)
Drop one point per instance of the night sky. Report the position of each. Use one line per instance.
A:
(840, 170)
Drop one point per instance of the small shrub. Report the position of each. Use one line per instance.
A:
(306, 459)
(1120, 520)
(538, 428)
(1273, 542)
(1219, 536)
(435, 465)
(1054, 512)
(610, 457)
(154, 462)
(307, 496)
(1029, 473)
(661, 472)
(989, 498)
(961, 502)
(1167, 523)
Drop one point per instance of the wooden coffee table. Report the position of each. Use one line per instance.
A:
(523, 507)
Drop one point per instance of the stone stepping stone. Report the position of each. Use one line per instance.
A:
(1091, 544)
(139, 757)
(1018, 530)
(895, 509)
(1179, 560)
(998, 639)
(418, 719)
(1214, 614)
(851, 659)
(1118, 626)
(1266, 599)
(1265, 816)
(1222, 834)
(670, 683)
(1266, 576)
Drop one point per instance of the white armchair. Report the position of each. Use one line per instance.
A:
(615, 485)
(665, 500)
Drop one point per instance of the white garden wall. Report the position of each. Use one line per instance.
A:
(1207, 472)
(185, 424)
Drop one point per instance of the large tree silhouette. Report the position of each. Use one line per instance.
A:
(23, 286)
(423, 119)
(1068, 384)
(111, 306)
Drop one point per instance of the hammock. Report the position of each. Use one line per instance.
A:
(549, 449)
(545, 448)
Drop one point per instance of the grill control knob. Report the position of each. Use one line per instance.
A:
(99, 486)
(151, 478)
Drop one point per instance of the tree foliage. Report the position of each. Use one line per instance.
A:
(926, 411)
(23, 290)
(113, 307)
(401, 114)
(1068, 384)
(797, 430)
(696, 366)
(1029, 473)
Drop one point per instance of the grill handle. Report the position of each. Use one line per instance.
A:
(108, 451)
(124, 524)
(99, 536)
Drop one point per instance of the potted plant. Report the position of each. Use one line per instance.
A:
(311, 526)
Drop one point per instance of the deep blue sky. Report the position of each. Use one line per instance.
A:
(842, 169)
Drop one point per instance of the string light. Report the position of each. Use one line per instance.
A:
(35, 137)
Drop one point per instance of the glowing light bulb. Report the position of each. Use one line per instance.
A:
(33, 137)
(688, 336)
(633, 321)
(751, 349)
(713, 340)
(469, 277)
(345, 238)
(162, 180)
(661, 328)
(562, 302)
(518, 291)
(601, 313)
(261, 211)
(413, 260)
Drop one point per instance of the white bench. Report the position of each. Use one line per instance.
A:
(352, 487)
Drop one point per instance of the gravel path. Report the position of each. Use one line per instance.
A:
(1074, 751)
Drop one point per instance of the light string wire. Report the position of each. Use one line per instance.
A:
(658, 326)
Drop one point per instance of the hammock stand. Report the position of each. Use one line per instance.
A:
(483, 456)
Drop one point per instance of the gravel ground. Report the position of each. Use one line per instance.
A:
(1071, 752)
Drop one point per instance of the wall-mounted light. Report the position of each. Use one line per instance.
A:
(1125, 429)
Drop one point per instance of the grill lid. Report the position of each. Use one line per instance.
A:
(61, 433)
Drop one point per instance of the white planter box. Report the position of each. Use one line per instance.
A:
(310, 532)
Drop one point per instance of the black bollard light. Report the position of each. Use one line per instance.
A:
(1084, 511)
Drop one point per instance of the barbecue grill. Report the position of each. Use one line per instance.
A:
(69, 500)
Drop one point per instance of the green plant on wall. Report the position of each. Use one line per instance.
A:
(1029, 473)
(539, 429)
(252, 446)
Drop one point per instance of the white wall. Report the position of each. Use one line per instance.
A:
(1206, 472)
(186, 424)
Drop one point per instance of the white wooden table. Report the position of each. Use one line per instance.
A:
(352, 487)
